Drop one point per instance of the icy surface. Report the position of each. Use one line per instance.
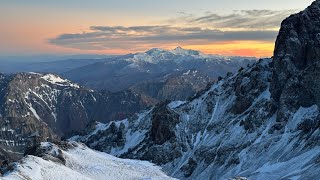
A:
(84, 163)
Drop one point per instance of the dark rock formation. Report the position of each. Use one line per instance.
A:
(163, 124)
(297, 47)
(295, 80)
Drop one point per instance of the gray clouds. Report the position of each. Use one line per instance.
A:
(104, 37)
(245, 25)
(246, 19)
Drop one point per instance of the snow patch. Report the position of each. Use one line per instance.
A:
(54, 79)
(175, 104)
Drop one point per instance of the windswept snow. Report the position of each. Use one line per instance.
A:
(54, 79)
(83, 163)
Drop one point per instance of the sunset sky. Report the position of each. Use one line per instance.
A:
(228, 27)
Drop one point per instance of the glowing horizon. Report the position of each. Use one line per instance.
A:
(246, 28)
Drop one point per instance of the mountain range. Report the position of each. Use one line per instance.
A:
(261, 122)
(119, 73)
(153, 74)
(50, 106)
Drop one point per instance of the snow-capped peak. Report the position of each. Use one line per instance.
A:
(156, 55)
(155, 51)
(180, 51)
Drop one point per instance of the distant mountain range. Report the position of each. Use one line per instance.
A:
(122, 72)
(156, 74)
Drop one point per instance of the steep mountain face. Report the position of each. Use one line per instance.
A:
(46, 105)
(76, 161)
(16, 124)
(175, 86)
(119, 73)
(191, 139)
(62, 105)
(297, 47)
(261, 123)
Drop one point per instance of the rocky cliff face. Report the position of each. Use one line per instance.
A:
(297, 47)
(295, 79)
(174, 86)
(261, 123)
(46, 105)
(62, 105)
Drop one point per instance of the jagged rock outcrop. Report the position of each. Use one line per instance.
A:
(261, 123)
(163, 124)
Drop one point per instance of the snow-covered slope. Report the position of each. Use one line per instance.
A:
(205, 138)
(80, 162)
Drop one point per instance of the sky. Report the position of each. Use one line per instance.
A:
(225, 27)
